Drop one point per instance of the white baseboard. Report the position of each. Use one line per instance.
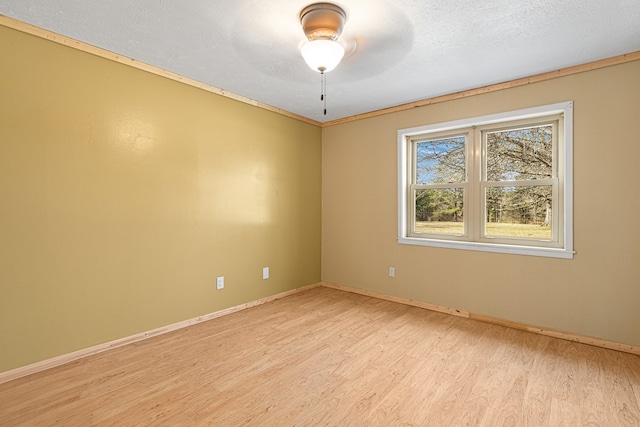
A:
(70, 357)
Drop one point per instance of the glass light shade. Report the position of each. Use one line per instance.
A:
(322, 55)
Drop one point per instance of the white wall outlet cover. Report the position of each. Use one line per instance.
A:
(265, 273)
(220, 282)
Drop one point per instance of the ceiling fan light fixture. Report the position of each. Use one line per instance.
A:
(322, 24)
(322, 55)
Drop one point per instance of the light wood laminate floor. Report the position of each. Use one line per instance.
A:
(330, 358)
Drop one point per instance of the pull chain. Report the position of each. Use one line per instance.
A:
(323, 89)
(324, 92)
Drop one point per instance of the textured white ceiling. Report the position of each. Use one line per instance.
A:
(406, 50)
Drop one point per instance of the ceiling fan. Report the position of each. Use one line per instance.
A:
(322, 24)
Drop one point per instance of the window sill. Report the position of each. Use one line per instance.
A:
(490, 247)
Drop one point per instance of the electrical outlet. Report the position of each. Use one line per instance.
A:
(392, 272)
(220, 282)
(265, 273)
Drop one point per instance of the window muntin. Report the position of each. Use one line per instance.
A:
(499, 183)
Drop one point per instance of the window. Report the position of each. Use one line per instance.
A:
(497, 183)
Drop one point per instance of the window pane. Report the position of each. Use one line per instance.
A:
(520, 212)
(439, 210)
(520, 154)
(440, 161)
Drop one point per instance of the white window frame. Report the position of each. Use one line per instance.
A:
(563, 188)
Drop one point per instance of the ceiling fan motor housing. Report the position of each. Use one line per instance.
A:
(322, 21)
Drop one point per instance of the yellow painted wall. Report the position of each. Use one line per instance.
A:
(596, 294)
(123, 195)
